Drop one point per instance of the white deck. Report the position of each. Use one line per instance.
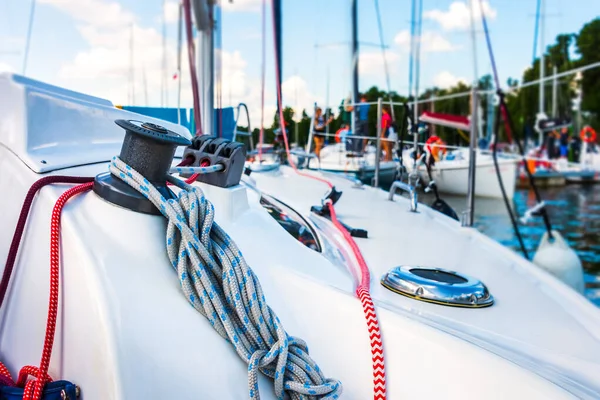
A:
(125, 330)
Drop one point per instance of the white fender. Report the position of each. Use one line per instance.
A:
(560, 260)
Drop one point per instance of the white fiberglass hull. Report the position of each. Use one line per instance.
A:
(452, 176)
(514, 328)
(126, 330)
(455, 179)
(334, 158)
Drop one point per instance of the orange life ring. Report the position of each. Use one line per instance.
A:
(588, 134)
(436, 147)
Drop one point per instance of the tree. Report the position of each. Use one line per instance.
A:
(588, 47)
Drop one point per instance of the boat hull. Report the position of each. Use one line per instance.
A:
(455, 179)
(335, 158)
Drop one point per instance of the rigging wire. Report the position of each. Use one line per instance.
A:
(385, 64)
(262, 80)
(509, 122)
(28, 40)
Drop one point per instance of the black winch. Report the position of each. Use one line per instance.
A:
(149, 149)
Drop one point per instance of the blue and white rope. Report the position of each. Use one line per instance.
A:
(220, 285)
(196, 170)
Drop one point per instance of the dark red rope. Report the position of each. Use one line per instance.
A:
(16, 240)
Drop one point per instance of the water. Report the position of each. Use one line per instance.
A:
(574, 211)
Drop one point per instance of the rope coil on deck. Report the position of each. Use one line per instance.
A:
(220, 285)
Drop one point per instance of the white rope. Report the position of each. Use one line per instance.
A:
(220, 285)
(196, 170)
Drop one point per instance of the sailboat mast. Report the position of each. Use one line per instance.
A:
(354, 62)
(542, 50)
(554, 92)
(477, 123)
(145, 83)
(163, 78)
(417, 67)
(131, 69)
(277, 18)
(179, 44)
(204, 13)
(327, 108)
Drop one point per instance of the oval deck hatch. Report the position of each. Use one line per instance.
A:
(438, 285)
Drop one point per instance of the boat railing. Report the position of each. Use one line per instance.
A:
(377, 137)
(242, 133)
(352, 136)
(506, 155)
(410, 189)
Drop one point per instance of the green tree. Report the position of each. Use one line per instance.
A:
(588, 47)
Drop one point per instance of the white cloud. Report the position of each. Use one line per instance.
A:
(371, 62)
(171, 12)
(13, 42)
(430, 42)
(103, 67)
(6, 67)
(445, 79)
(242, 5)
(297, 95)
(99, 13)
(458, 15)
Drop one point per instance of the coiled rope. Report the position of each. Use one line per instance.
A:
(220, 285)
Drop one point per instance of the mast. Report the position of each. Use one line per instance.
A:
(478, 122)
(179, 42)
(542, 61)
(432, 110)
(163, 78)
(145, 83)
(204, 12)
(277, 18)
(131, 70)
(554, 92)
(541, 114)
(470, 212)
(327, 110)
(297, 112)
(490, 117)
(354, 62)
(417, 67)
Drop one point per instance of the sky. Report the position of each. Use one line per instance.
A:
(113, 48)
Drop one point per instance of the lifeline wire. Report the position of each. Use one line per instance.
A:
(220, 285)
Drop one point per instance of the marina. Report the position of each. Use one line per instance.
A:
(422, 230)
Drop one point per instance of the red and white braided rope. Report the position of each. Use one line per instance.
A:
(362, 292)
